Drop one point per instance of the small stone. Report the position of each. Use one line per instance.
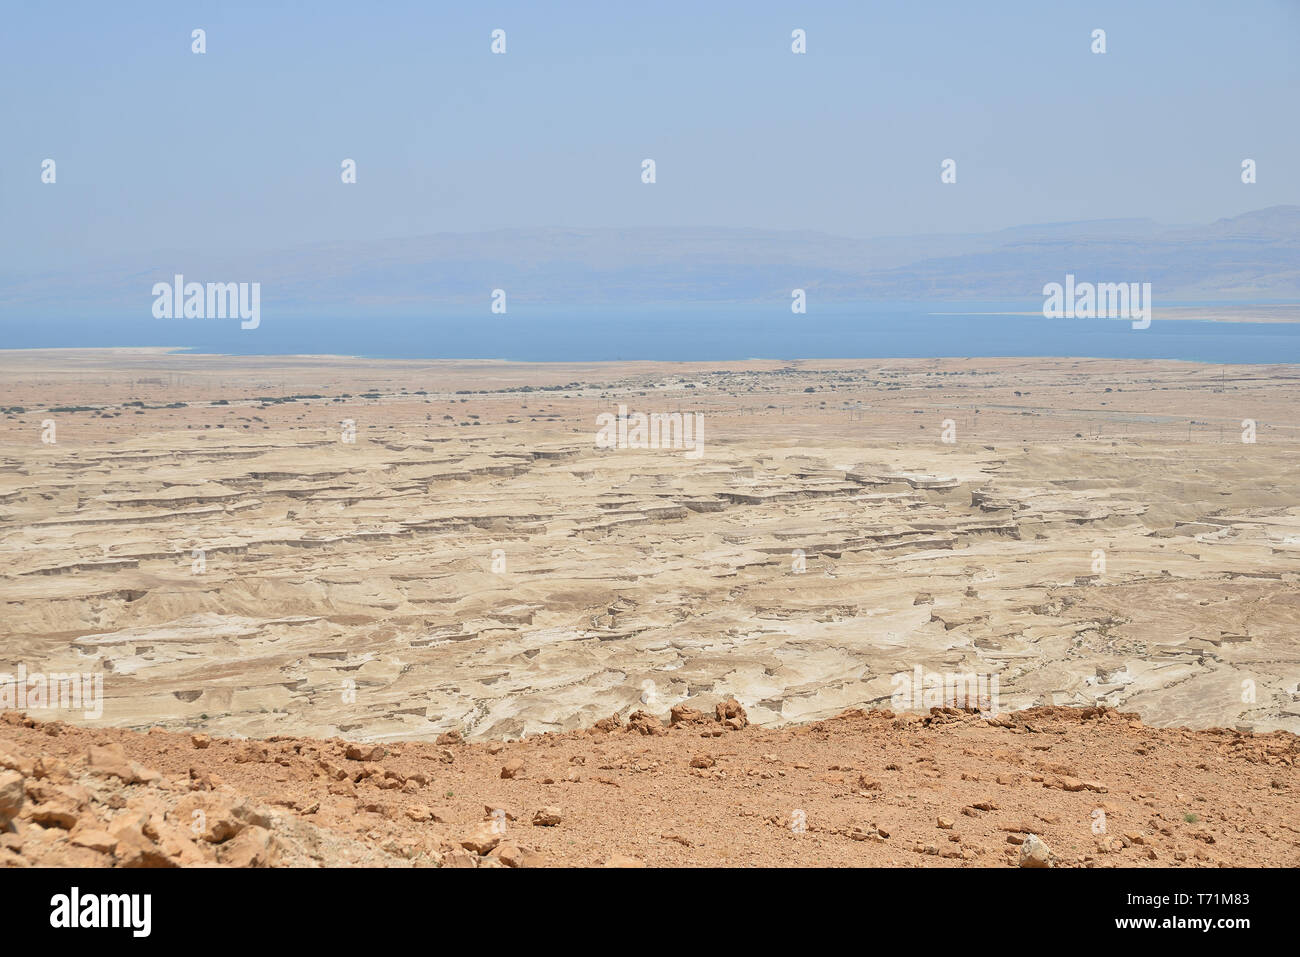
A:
(60, 814)
(109, 760)
(251, 847)
(681, 714)
(94, 839)
(12, 762)
(459, 858)
(1034, 852)
(12, 795)
(731, 714)
(643, 722)
(51, 768)
(508, 854)
(548, 816)
(482, 838)
(133, 849)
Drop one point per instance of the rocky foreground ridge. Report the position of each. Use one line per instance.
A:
(1043, 787)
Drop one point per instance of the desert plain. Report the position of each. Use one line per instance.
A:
(403, 553)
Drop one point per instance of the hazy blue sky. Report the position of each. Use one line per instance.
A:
(239, 149)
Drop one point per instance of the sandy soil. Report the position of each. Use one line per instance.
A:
(865, 788)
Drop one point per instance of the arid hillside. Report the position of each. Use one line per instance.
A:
(1065, 787)
(394, 550)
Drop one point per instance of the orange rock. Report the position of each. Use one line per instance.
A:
(482, 838)
(643, 722)
(731, 714)
(133, 849)
(548, 816)
(93, 838)
(680, 714)
(12, 796)
(109, 760)
(252, 847)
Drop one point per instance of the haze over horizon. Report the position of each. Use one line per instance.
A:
(239, 149)
(1252, 257)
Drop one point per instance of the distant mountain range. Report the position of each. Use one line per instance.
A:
(1252, 256)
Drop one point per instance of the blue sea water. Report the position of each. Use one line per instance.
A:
(687, 333)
